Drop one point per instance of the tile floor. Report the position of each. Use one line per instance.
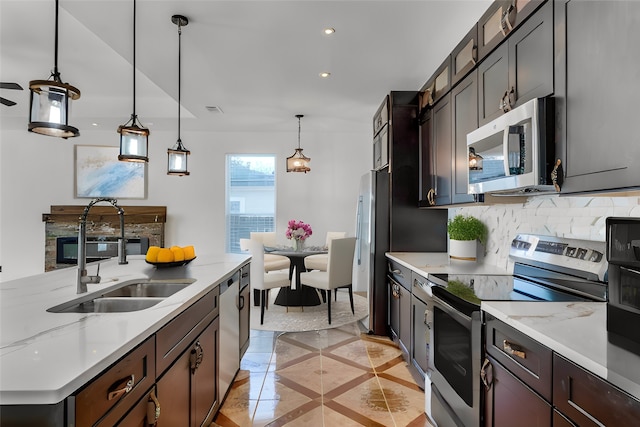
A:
(323, 378)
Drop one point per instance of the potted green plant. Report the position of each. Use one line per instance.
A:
(464, 233)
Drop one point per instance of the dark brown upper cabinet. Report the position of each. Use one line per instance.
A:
(438, 85)
(597, 92)
(518, 70)
(465, 56)
(500, 19)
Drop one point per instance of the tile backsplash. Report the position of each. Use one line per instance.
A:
(572, 217)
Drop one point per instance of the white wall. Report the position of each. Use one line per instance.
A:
(37, 171)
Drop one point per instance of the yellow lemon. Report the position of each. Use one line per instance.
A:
(178, 253)
(152, 253)
(165, 255)
(189, 252)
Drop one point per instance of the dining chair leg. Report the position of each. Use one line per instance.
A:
(351, 298)
(263, 296)
(329, 305)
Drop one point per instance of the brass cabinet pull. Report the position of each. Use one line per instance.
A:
(153, 409)
(121, 387)
(487, 380)
(513, 349)
(395, 291)
(195, 357)
(430, 197)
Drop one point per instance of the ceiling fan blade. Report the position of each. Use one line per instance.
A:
(10, 85)
(7, 102)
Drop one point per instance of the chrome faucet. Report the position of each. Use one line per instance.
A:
(83, 278)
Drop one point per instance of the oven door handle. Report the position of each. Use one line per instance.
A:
(457, 315)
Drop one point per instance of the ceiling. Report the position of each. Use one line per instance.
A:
(258, 61)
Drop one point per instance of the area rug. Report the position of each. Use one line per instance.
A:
(297, 319)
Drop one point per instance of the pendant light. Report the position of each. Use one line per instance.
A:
(178, 154)
(134, 139)
(298, 162)
(50, 101)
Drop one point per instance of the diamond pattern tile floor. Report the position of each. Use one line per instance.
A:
(323, 378)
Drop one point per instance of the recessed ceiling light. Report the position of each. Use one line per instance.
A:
(214, 109)
(325, 74)
(329, 31)
(95, 124)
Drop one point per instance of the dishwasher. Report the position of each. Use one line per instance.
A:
(229, 333)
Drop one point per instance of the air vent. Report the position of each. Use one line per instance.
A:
(214, 109)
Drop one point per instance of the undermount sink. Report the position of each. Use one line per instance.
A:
(132, 295)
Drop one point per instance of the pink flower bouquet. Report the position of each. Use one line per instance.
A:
(298, 230)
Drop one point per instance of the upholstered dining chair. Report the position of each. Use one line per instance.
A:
(272, 262)
(319, 261)
(339, 271)
(262, 281)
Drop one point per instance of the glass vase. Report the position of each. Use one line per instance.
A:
(298, 245)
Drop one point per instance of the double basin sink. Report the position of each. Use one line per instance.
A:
(132, 295)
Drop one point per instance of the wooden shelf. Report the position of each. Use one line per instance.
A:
(132, 214)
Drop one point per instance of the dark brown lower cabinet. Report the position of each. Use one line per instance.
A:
(588, 400)
(509, 402)
(187, 390)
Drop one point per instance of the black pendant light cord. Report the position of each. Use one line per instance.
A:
(56, 74)
(179, 76)
(133, 116)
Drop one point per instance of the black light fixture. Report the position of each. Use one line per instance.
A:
(178, 154)
(298, 162)
(134, 139)
(50, 102)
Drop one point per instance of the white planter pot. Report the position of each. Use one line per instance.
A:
(466, 250)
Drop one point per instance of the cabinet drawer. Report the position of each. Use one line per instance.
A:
(526, 358)
(178, 334)
(588, 400)
(400, 274)
(107, 395)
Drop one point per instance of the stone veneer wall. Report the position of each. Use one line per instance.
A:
(53, 230)
(571, 217)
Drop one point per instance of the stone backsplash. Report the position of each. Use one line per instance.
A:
(571, 217)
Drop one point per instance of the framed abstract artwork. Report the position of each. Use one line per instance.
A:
(99, 173)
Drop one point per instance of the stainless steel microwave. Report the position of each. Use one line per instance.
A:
(515, 153)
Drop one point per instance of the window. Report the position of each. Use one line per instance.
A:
(250, 198)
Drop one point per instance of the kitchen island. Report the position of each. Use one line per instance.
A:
(46, 357)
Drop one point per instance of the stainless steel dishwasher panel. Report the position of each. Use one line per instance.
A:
(229, 333)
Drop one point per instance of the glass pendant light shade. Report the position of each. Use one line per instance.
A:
(50, 108)
(298, 162)
(134, 142)
(50, 101)
(178, 156)
(134, 139)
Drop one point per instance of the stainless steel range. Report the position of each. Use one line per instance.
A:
(545, 269)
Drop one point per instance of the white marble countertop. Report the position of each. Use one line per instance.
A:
(426, 263)
(45, 357)
(577, 331)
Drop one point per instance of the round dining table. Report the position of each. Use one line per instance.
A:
(302, 295)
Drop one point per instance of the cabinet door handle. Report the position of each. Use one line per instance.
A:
(153, 409)
(513, 349)
(430, 197)
(241, 302)
(195, 357)
(398, 272)
(486, 374)
(121, 387)
(395, 291)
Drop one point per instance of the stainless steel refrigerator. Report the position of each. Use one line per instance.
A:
(388, 220)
